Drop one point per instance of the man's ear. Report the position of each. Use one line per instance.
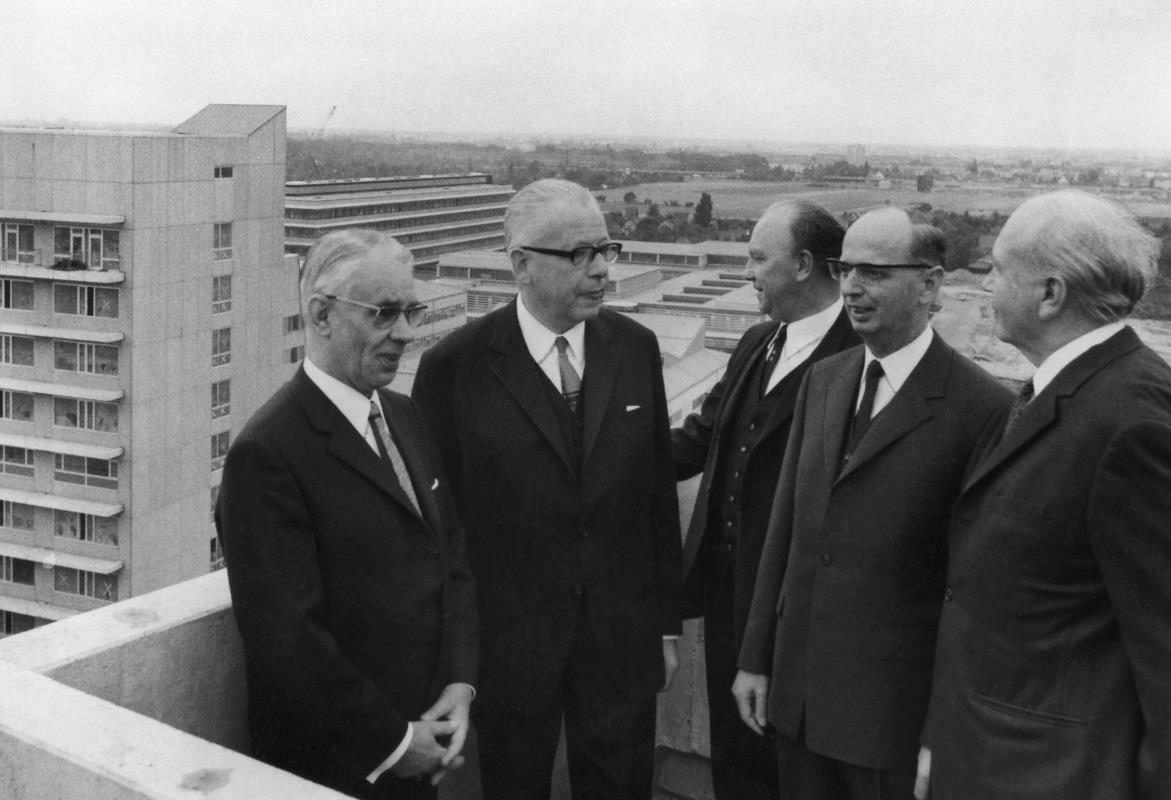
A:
(319, 314)
(1054, 294)
(805, 264)
(520, 266)
(932, 282)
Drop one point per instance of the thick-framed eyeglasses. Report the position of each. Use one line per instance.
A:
(869, 273)
(386, 316)
(580, 256)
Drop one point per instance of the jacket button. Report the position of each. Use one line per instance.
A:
(585, 533)
(578, 589)
(743, 448)
(826, 559)
(751, 426)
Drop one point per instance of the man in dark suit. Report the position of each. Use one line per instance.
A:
(738, 440)
(346, 559)
(1051, 680)
(838, 649)
(552, 419)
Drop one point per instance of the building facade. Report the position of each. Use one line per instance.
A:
(144, 306)
(430, 214)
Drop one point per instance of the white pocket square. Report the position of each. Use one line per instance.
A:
(632, 408)
(435, 484)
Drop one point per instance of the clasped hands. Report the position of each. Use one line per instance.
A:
(438, 736)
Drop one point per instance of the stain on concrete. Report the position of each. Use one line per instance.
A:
(137, 617)
(206, 781)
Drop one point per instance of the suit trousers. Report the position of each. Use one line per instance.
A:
(805, 775)
(610, 735)
(743, 764)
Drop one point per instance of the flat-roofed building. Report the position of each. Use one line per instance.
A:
(675, 259)
(145, 299)
(430, 214)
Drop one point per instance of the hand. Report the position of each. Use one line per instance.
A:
(670, 662)
(453, 705)
(923, 775)
(424, 753)
(751, 693)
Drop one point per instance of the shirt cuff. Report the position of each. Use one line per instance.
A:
(671, 637)
(394, 757)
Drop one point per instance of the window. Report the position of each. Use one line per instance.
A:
(18, 243)
(16, 350)
(217, 554)
(82, 248)
(85, 527)
(221, 294)
(16, 461)
(17, 570)
(85, 301)
(16, 295)
(88, 414)
(293, 323)
(296, 354)
(221, 398)
(224, 171)
(17, 406)
(221, 346)
(99, 359)
(215, 497)
(86, 471)
(85, 584)
(219, 449)
(11, 622)
(222, 241)
(16, 515)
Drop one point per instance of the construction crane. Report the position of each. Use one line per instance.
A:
(321, 135)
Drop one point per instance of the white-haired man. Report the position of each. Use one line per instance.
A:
(1055, 640)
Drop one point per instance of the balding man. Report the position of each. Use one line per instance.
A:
(839, 646)
(738, 440)
(349, 575)
(1051, 681)
(552, 419)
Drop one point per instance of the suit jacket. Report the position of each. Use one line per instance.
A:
(545, 529)
(1055, 650)
(851, 579)
(697, 445)
(354, 610)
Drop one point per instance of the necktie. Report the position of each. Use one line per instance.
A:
(390, 451)
(866, 409)
(570, 380)
(772, 356)
(1024, 395)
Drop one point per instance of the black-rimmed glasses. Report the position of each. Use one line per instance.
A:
(386, 316)
(870, 273)
(580, 256)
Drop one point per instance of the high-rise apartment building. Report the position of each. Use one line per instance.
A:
(430, 214)
(144, 306)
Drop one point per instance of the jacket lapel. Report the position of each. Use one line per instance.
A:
(602, 352)
(513, 365)
(909, 408)
(416, 461)
(743, 380)
(837, 408)
(1041, 413)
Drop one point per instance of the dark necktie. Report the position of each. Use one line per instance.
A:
(570, 380)
(1022, 399)
(390, 452)
(866, 409)
(772, 356)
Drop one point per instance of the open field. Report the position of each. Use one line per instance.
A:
(747, 199)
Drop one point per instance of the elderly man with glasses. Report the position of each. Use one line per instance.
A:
(838, 651)
(349, 573)
(552, 419)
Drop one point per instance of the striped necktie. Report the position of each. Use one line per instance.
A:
(390, 452)
(570, 380)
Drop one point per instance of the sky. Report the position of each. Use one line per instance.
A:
(1027, 73)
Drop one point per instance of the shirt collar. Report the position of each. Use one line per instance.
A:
(804, 332)
(897, 366)
(539, 339)
(1063, 356)
(353, 405)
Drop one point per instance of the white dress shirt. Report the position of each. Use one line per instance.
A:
(540, 342)
(801, 339)
(896, 368)
(1063, 356)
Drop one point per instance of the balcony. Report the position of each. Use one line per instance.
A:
(145, 700)
(50, 266)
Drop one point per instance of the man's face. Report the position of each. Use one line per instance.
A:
(361, 353)
(1015, 296)
(772, 265)
(888, 308)
(557, 292)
